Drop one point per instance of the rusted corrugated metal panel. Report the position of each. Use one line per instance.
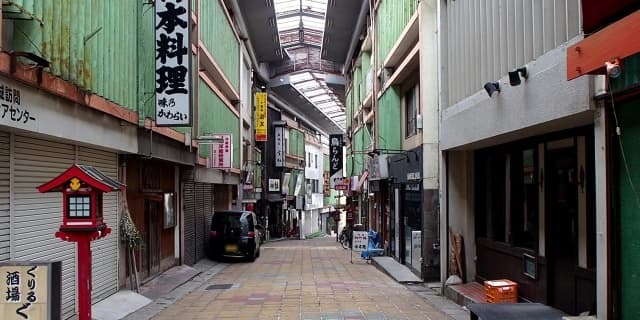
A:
(91, 43)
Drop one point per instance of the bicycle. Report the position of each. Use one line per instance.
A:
(344, 239)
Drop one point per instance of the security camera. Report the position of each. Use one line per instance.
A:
(613, 68)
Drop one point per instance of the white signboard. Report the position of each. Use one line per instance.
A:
(222, 152)
(173, 53)
(360, 241)
(274, 185)
(279, 146)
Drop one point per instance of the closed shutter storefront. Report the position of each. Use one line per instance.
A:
(4, 197)
(189, 222)
(104, 251)
(38, 216)
(203, 219)
(198, 207)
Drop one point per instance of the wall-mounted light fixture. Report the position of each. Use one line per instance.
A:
(491, 88)
(613, 68)
(514, 76)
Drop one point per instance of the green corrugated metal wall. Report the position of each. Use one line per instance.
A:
(147, 63)
(349, 107)
(215, 117)
(389, 132)
(629, 115)
(392, 17)
(366, 66)
(357, 88)
(296, 143)
(90, 43)
(218, 37)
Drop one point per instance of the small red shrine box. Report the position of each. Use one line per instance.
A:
(82, 188)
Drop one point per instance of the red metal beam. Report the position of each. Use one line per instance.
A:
(617, 41)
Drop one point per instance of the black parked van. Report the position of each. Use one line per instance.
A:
(235, 234)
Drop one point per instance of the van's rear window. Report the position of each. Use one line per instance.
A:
(225, 221)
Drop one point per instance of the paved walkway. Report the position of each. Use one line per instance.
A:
(309, 279)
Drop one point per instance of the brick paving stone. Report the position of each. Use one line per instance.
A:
(309, 279)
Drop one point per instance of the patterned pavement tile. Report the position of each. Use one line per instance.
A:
(310, 279)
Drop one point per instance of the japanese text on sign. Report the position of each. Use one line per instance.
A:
(279, 147)
(261, 116)
(360, 241)
(25, 292)
(172, 63)
(335, 158)
(222, 152)
(10, 107)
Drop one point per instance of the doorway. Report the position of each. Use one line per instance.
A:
(153, 216)
(562, 226)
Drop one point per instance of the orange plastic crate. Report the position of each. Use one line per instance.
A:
(500, 291)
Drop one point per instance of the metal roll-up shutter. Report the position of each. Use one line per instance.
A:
(188, 196)
(199, 221)
(104, 251)
(203, 219)
(206, 218)
(5, 243)
(38, 216)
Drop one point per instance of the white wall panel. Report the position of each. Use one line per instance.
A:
(488, 38)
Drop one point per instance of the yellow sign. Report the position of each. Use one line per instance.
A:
(25, 291)
(261, 116)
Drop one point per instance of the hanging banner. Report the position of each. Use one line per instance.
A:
(222, 152)
(335, 159)
(173, 62)
(279, 146)
(261, 116)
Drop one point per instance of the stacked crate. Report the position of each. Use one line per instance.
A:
(501, 291)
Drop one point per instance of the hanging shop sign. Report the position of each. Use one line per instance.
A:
(335, 162)
(222, 152)
(279, 146)
(31, 290)
(261, 116)
(173, 56)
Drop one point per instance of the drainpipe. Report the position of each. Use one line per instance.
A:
(356, 35)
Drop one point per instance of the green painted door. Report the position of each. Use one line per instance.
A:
(629, 116)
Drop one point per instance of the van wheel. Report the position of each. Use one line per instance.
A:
(252, 257)
(258, 253)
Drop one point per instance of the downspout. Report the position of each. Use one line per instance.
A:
(244, 36)
(356, 36)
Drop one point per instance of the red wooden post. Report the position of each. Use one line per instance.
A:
(84, 279)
